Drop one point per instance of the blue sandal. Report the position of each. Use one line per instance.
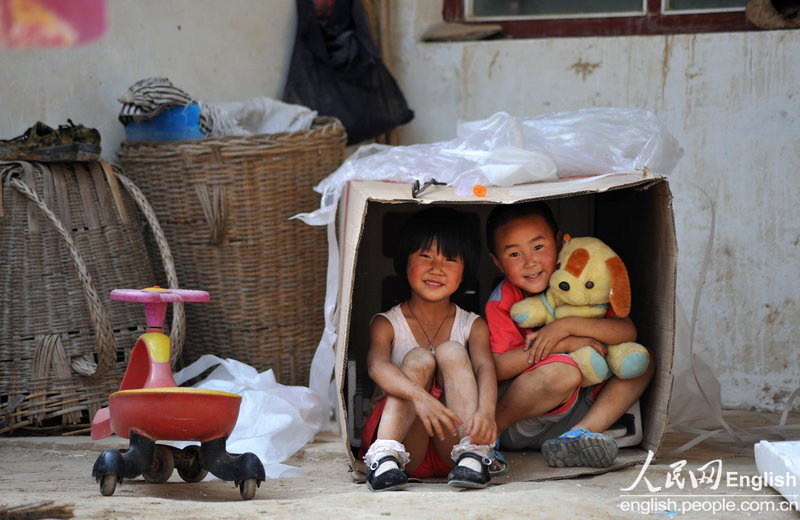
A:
(499, 465)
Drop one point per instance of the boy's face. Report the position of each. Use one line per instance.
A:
(526, 251)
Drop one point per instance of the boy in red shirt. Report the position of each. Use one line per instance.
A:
(541, 404)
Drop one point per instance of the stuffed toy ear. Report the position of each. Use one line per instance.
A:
(577, 262)
(620, 287)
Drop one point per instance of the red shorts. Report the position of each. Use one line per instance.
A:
(432, 464)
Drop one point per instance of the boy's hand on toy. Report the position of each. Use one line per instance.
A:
(573, 343)
(481, 428)
(436, 417)
(541, 342)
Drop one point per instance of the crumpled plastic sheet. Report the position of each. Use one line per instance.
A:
(274, 421)
(255, 116)
(502, 150)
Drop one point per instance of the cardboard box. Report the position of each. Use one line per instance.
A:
(632, 212)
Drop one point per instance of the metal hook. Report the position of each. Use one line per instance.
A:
(417, 189)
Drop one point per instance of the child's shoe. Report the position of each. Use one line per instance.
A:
(472, 465)
(464, 475)
(389, 479)
(386, 459)
(580, 448)
(499, 465)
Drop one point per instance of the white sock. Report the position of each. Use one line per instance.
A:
(385, 466)
(380, 449)
(471, 463)
(465, 446)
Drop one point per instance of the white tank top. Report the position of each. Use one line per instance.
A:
(404, 339)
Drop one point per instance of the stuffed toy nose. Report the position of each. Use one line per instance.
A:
(564, 286)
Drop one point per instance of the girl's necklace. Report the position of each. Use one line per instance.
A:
(430, 343)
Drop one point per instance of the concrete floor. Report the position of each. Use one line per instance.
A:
(58, 469)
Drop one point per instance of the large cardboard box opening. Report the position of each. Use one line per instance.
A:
(631, 212)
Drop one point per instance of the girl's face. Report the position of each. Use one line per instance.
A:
(526, 253)
(432, 275)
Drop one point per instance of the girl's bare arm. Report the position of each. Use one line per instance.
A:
(482, 428)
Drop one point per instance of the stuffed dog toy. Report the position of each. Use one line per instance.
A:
(589, 277)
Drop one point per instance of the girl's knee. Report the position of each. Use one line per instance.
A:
(451, 353)
(420, 362)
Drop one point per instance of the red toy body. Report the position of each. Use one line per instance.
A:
(174, 413)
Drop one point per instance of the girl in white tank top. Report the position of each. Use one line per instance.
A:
(432, 359)
(404, 339)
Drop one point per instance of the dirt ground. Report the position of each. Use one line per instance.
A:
(58, 469)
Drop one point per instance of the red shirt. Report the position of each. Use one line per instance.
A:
(504, 334)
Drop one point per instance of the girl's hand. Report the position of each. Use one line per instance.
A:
(436, 417)
(573, 343)
(542, 342)
(482, 429)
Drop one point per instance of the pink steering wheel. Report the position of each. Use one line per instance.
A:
(157, 295)
(155, 300)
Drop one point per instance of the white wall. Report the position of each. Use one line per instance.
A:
(733, 102)
(216, 51)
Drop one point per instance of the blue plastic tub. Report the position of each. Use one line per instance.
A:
(173, 124)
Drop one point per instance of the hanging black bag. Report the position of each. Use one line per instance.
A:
(337, 71)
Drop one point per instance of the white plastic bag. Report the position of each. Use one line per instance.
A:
(598, 140)
(274, 420)
(254, 116)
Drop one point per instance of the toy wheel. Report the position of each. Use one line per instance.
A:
(161, 468)
(247, 488)
(108, 483)
(193, 471)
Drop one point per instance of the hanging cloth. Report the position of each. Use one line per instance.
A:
(337, 71)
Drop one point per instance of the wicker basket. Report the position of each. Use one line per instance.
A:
(225, 205)
(69, 234)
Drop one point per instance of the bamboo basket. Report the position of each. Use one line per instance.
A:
(69, 234)
(225, 205)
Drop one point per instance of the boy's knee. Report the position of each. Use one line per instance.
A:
(552, 378)
(649, 371)
(651, 368)
(561, 378)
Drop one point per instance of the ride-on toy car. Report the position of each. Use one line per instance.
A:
(149, 406)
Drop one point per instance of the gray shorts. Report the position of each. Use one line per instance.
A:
(529, 434)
